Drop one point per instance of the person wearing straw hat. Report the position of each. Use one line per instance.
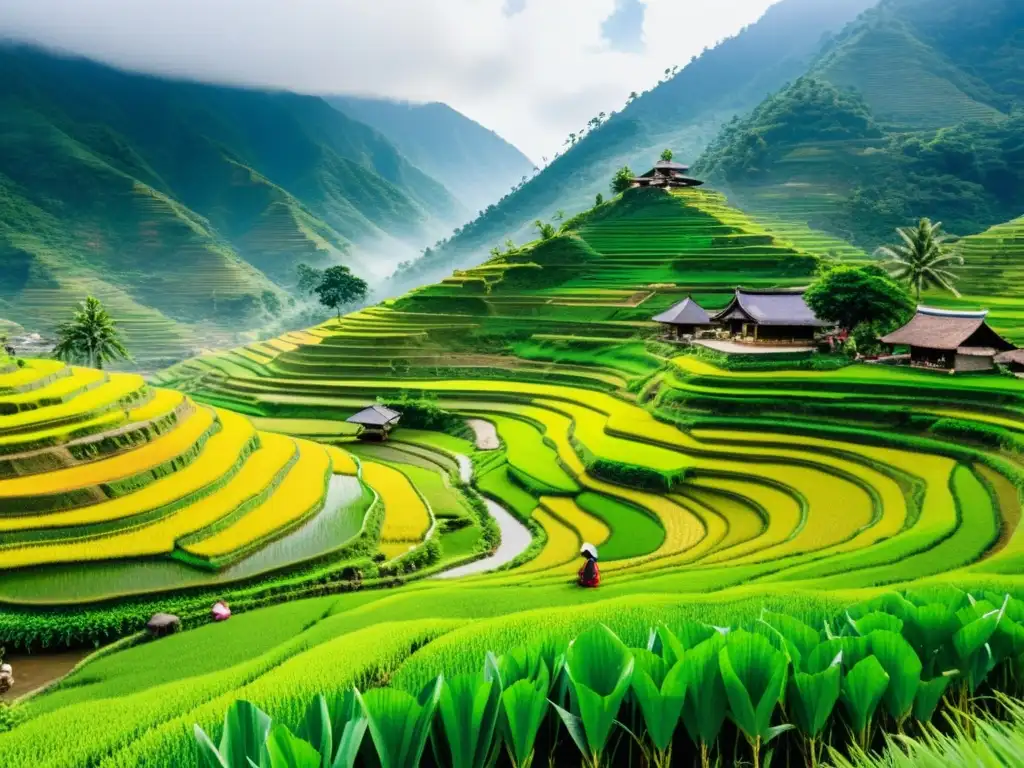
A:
(589, 575)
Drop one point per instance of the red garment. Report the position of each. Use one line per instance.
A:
(590, 574)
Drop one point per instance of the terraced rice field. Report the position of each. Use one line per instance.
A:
(101, 470)
(711, 495)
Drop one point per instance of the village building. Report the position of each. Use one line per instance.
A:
(1014, 360)
(771, 316)
(685, 318)
(667, 175)
(377, 422)
(950, 340)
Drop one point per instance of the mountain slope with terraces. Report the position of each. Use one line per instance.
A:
(186, 207)
(912, 111)
(714, 490)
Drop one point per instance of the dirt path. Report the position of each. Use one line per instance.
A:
(515, 537)
(486, 434)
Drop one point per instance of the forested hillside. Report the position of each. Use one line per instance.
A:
(913, 111)
(185, 207)
(476, 165)
(683, 112)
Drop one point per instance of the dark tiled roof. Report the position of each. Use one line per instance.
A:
(375, 416)
(783, 307)
(686, 312)
(939, 329)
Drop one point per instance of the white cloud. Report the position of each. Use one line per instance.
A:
(533, 76)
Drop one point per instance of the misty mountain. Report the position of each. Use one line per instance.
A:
(476, 164)
(684, 113)
(186, 206)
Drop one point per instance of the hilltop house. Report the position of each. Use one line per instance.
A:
(773, 316)
(667, 175)
(685, 318)
(950, 340)
(376, 420)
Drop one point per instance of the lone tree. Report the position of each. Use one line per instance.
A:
(667, 155)
(599, 200)
(622, 180)
(91, 337)
(851, 296)
(339, 288)
(922, 259)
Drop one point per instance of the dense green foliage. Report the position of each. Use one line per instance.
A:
(912, 111)
(90, 338)
(850, 296)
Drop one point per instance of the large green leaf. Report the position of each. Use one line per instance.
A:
(706, 702)
(930, 628)
(523, 706)
(862, 692)
(348, 727)
(874, 621)
(929, 693)
(599, 667)
(660, 692)
(245, 732)
(899, 660)
(285, 750)
(399, 724)
(463, 733)
(813, 697)
(804, 638)
(754, 674)
(316, 729)
(971, 645)
(209, 755)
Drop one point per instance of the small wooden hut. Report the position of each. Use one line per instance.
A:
(950, 340)
(667, 175)
(377, 422)
(771, 316)
(685, 318)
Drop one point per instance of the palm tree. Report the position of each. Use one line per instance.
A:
(91, 337)
(921, 260)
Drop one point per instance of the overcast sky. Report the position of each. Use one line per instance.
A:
(533, 70)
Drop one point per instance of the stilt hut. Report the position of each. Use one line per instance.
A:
(377, 422)
(667, 175)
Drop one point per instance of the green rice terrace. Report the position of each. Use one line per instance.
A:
(784, 541)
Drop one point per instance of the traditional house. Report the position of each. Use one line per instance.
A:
(667, 175)
(949, 340)
(773, 316)
(685, 318)
(377, 421)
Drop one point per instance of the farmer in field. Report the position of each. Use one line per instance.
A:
(589, 575)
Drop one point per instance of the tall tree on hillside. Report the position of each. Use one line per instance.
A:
(340, 288)
(922, 259)
(90, 337)
(667, 155)
(622, 180)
